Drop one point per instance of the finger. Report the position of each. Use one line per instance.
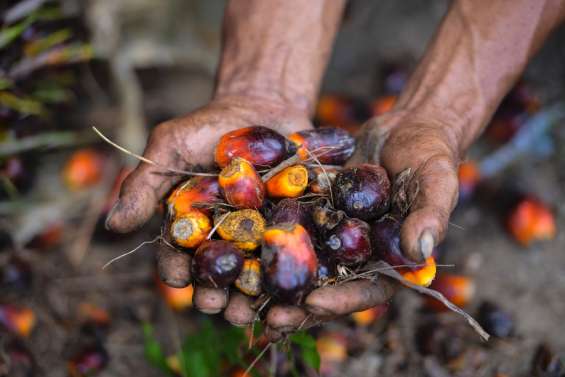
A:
(427, 222)
(147, 184)
(349, 297)
(239, 312)
(285, 318)
(173, 266)
(210, 300)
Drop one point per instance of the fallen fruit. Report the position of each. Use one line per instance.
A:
(531, 220)
(196, 190)
(249, 280)
(496, 321)
(469, 176)
(83, 169)
(88, 361)
(190, 229)
(383, 104)
(328, 145)
(241, 185)
(362, 191)
(421, 275)
(321, 179)
(289, 183)
(217, 264)
(350, 242)
(289, 262)
(458, 289)
(19, 320)
(244, 228)
(261, 146)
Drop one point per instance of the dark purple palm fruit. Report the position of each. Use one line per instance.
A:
(385, 239)
(294, 212)
(217, 264)
(350, 242)
(362, 191)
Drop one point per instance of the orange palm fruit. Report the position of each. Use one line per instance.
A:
(289, 262)
(196, 190)
(420, 276)
(177, 299)
(91, 313)
(332, 348)
(383, 104)
(19, 320)
(469, 176)
(369, 316)
(249, 280)
(289, 183)
(244, 228)
(458, 289)
(531, 220)
(259, 145)
(190, 229)
(241, 185)
(329, 145)
(83, 169)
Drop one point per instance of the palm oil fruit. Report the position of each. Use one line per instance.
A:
(321, 179)
(249, 280)
(458, 289)
(244, 228)
(350, 242)
(18, 320)
(196, 190)
(190, 229)
(530, 221)
(259, 145)
(421, 275)
(83, 169)
(329, 145)
(241, 185)
(289, 183)
(217, 264)
(289, 262)
(362, 191)
(178, 299)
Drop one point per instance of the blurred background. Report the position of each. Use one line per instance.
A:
(125, 65)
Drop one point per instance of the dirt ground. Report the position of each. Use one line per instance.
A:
(528, 283)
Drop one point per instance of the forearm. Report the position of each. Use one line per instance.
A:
(476, 56)
(277, 49)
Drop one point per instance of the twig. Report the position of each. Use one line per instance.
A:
(392, 273)
(328, 181)
(246, 373)
(151, 162)
(131, 251)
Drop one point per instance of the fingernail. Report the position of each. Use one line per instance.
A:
(110, 214)
(426, 243)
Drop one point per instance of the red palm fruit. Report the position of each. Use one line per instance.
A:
(259, 145)
(531, 220)
(83, 169)
(289, 183)
(329, 145)
(321, 180)
(458, 289)
(241, 185)
(469, 176)
(289, 262)
(196, 190)
(369, 316)
(177, 299)
(190, 229)
(88, 361)
(362, 191)
(217, 264)
(249, 280)
(350, 242)
(385, 238)
(292, 211)
(18, 320)
(383, 105)
(244, 228)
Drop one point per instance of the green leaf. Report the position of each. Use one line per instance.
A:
(9, 34)
(308, 350)
(37, 46)
(153, 352)
(5, 83)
